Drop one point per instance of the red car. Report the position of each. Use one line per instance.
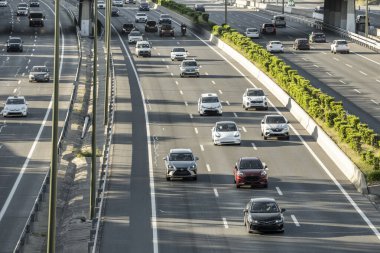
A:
(250, 171)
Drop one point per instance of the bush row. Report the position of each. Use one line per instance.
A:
(359, 137)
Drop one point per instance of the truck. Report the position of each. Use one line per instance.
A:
(36, 18)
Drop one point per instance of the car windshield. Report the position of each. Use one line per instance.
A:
(276, 43)
(268, 25)
(15, 101)
(189, 63)
(143, 45)
(276, 120)
(141, 14)
(179, 49)
(14, 41)
(181, 157)
(341, 42)
(226, 127)
(254, 93)
(136, 33)
(264, 207)
(319, 35)
(39, 69)
(303, 42)
(22, 5)
(280, 18)
(251, 164)
(210, 100)
(164, 16)
(151, 23)
(252, 30)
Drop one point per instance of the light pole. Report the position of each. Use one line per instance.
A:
(366, 20)
(283, 7)
(50, 247)
(225, 12)
(108, 45)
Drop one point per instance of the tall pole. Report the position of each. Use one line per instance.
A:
(108, 49)
(54, 144)
(283, 6)
(94, 91)
(366, 20)
(225, 12)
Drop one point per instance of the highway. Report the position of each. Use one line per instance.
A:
(145, 213)
(25, 142)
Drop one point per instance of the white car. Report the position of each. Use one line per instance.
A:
(22, 9)
(274, 126)
(101, 5)
(15, 106)
(189, 67)
(39, 74)
(143, 48)
(141, 17)
(252, 33)
(118, 3)
(339, 46)
(225, 132)
(134, 36)
(3, 3)
(178, 53)
(255, 98)
(209, 103)
(275, 46)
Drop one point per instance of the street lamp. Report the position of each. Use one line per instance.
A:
(366, 20)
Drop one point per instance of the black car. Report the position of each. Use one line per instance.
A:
(14, 44)
(165, 19)
(263, 214)
(166, 30)
(127, 28)
(268, 28)
(317, 37)
(115, 12)
(301, 44)
(144, 7)
(34, 3)
(199, 7)
(151, 26)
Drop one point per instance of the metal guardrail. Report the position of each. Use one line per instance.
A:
(356, 38)
(40, 196)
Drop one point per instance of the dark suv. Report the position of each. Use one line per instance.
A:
(301, 44)
(36, 18)
(166, 30)
(250, 171)
(144, 7)
(151, 26)
(268, 28)
(127, 28)
(14, 44)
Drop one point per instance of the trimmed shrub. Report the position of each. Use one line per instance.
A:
(373, 176)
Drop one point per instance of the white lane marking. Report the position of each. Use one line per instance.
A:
(356, 90)
(23, 74)
(378, 80)
(324, 53)
(228, 102)
(28, 61)
(186, 104)
(295, 220)
(316, 66)
(196, 130)
(176, 82)
(336, 59)
(26, 67)
(279, 191)
(363, 73)
(348, 197)
(329, 73)
(342, 81)
(225, 223)
(171, 74)
(374, 102)
(158, 53)
(177, 42)
(235, 115)
(191, 116)
(202, 148)
(348, 65)
(208, 167)
(244, 129)
(167, 66)
(213, 82)
(162, 59)
(206, 73)
(19, 81)
(254, 146)
(181, 92)
(216, 193)
(378, 63)
(304, 59)
(220, 92)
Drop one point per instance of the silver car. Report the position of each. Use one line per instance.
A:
(39, 74)
(274, 126)
(189, 68)
(181, 163)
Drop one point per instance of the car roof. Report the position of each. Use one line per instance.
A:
(13, 97)
(274, 115)
(187, 60)
(180, 150)
(39, 66)
(225, 122)
(143, 42)
(249, 89)
(263, 199)
(249, 158)
(275, 41)
(11, 37)
(209, 95)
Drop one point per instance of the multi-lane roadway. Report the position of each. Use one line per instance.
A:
(146, 213)
(25, 142)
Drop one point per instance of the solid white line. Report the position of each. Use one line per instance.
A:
(216, 193)
(176, 82)
(357, 90)
(208, 167)
(245, 130)
(363, 73)
(191, 116)
(180, 91)
(235, 115)
(279, 191)
(196, 130)
(295, 220)
(342, 81)
(336, 59)
(329, 73)
(36, 140)
(227, 102)
(378, 80)
(348, 65)
(225, 223)
(213, 82)
(374, 101)
(254, 146)
(202, 148)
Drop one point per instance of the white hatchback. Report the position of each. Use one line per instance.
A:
(275, 46)
(225, 132)
(3, 3)
(252, 33)
(255, 98)
(141, 17)
(178, 53)
(339, 46)
(209, 103)
(15, 106)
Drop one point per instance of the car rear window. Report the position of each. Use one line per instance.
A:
(151, 23)
(255, 93)
(341, 42)
(190, 63)
(268, 25)
(15, 101)
(252, 30)
(179, 49)
(39, 69)
(181, 157)
(251, 164)
(280, 18)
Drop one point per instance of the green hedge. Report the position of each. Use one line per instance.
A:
(358, 136)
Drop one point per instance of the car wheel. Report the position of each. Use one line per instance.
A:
(195, 178)
(266, 186)
(348, 52)
(237, 186)
(287, 137)
(265, 137)
(248, 228)
(167, 178)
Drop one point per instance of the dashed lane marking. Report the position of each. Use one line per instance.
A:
(363, 73)
(202, 148)
(216, 193)
(279, 191)
(244, 129)
(196, 130)
(225, 223)
(295, 220)
(254, 146)
(208, 167)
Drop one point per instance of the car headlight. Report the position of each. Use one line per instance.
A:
(6, 108)
(249, 99)
(240, 174)
(237, 134)
(217, 134)
(193, 166)
(263, 173)
(280, 220)
(170, 166)
(46, 75)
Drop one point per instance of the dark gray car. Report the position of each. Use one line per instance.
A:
(181, 163)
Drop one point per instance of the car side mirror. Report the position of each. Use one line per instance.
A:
(283, 210)
(245, 210)
(165, 158)
(287, 122)
(196, 158)
(239, 129)
(265, 166)
(262, 122)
